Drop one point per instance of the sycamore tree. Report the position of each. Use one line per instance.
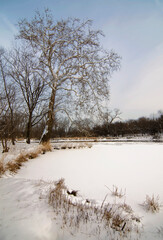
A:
(71, 60)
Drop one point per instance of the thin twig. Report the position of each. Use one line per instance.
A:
(104, 201)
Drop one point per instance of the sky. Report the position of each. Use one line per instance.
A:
(132, 28)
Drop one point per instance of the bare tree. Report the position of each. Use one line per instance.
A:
(9, 98)
(29, 84)
(82, 127)
(3, 123)
(71, 60)
(110, 116)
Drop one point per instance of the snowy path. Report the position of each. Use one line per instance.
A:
(24, 210)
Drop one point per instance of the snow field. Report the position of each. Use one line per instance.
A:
(135, 168)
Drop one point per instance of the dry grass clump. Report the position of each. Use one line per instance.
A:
(116, 192)
(126, 207)
(152, 204)
(46, 147)
(84, 145)
(120, 217)
(73, 146)
(21, 158)
(14, 165)
(75, 213)
(41, 149)
(32, 155)
(2, 170)
(118, 222)
(89, 145)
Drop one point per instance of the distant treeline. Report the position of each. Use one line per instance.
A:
(120, 128)
(131, 127)
(83, 128)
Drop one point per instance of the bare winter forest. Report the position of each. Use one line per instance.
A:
(55, 83)
(70, 166)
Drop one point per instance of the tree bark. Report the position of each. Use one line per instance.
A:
(50, 121)
(4, 145)
(28, 130)
(13, 128)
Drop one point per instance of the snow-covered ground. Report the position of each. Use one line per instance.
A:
(135, 168)
(15, 150)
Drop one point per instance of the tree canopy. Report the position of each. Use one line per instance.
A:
(71, 60)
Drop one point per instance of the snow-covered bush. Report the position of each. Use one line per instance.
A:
(152, 204)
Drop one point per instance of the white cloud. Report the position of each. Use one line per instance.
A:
(7, 31)
(145, 96)
(10, 26)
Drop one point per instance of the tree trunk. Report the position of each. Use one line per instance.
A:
(4, 145)
(28, 130)
(13, 128)
(50, 121)
(13, 138)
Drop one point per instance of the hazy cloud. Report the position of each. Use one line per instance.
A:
(7, 24)
(7, 31)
